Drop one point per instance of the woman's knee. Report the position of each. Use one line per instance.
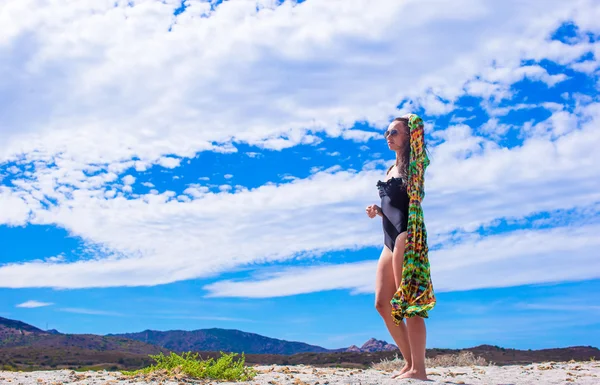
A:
(382, 305)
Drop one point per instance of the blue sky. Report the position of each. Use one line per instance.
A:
(169, 165)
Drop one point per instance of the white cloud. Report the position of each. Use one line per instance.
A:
(57, 258)
(298, 281)
(115, 90)
(128, 179)
(169, 162)
(588, 66)
(486, 89)
(34, 304)
(160, 239)
(360, 135)
(288, 177)
(91, 312)
(196, 190)
(494, 83)
(141, 166)
(14, 210)
(494, 128)
(517, 258)
(560, 123)
(496, 111)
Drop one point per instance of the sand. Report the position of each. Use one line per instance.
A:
(546, 373)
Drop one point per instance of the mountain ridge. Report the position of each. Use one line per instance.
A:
(216, 339)
(16, 334)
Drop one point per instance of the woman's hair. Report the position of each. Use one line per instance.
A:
(404, 151)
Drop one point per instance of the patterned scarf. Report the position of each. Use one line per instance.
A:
(415, 295)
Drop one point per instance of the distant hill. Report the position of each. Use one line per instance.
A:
(503, 356)
(372, 345)
(23, 346)
(19, 334)
(9, 327)
(16, 333)
(32, 358)
(228, 340)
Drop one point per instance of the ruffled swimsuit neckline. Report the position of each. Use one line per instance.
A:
(383, 182)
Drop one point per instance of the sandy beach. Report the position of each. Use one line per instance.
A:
(585, 373)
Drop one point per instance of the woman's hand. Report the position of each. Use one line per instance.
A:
(373, 210)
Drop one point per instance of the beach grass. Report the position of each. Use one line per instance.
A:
(189, 365)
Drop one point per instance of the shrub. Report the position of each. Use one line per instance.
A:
(188, 364)
(462, 359)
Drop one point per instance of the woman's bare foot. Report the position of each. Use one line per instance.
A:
(415, 374)
(400, 372)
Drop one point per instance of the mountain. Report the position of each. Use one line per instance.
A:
(36, 358)
(19, 334)
(9, 327)
(17, 337)
(16, 333)
(24, 346)
(352, 348)
(228, 340)
(371, 346)
(374, 345)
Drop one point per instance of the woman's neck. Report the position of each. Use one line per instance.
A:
(398, 159)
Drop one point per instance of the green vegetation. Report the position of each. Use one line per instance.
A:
(224, 368)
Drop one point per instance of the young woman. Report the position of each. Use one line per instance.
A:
(403, 282)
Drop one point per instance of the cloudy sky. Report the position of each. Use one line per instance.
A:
(191, 164)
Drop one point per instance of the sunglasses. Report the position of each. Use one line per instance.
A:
(392, 132)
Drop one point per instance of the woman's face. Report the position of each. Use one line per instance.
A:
(396, 135)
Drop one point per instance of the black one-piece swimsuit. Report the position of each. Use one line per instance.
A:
(394, 207)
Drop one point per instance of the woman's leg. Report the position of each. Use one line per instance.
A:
(415, 325)
(385, 287)
(397, 264)
(417, 335)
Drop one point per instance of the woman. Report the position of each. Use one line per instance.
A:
(403, 282)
